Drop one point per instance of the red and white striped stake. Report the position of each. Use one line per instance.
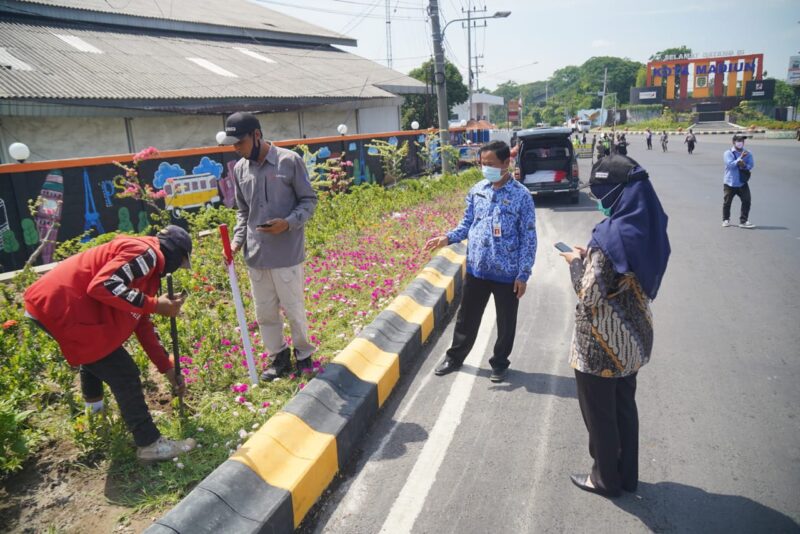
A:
(237, 301)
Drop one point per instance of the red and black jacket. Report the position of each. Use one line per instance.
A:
(92, 302)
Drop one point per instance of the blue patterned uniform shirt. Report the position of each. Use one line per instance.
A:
(501, 227)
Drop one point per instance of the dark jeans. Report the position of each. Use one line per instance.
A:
(120, 372)
(727, 199)
(608, 406)
(690, 146)
(649, 144)
(476, 296)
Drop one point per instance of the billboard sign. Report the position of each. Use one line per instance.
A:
(760, 90)
(794, 70)
(646, 95)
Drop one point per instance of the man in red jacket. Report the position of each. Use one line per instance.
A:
(92, 302)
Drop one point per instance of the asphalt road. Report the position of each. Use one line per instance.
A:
(718, 403)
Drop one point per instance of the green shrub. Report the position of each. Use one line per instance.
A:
(16, 437)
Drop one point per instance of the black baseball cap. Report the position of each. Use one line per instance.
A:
(615, 169)
(238, 125)
(739, 137)
(177, 240)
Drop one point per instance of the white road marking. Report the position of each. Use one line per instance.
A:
(412, 497)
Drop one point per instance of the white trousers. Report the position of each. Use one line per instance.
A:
(274, 289)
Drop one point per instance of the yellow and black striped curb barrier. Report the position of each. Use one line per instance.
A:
(277, 475)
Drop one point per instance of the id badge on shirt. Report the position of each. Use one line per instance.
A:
(497, 230)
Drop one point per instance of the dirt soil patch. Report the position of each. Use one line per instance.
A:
(55, 493)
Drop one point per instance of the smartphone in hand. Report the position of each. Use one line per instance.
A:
(563, 247)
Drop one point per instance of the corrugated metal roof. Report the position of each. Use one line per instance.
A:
(239, 15)
(142, 67)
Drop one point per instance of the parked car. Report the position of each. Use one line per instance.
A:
(546, 162)
(584, 125)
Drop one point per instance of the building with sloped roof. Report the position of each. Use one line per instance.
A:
(89, 77)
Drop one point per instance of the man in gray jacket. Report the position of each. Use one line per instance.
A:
(274, 199)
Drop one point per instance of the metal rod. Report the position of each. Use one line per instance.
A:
(173, 332)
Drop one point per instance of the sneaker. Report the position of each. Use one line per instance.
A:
(726, 223)
(747, 224)
(281, 366)
(498, 375)
(164, 449)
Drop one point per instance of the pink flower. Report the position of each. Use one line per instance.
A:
(265, 404)
(228, 365)
(302, 386)
(226, 342)
(240, 399)
(239, 388)
(147, 153)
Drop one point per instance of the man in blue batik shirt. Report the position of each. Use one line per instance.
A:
(500, 225)
(736, 159)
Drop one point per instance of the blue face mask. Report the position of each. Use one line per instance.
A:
(493, 174)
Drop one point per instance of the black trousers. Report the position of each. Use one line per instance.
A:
(690, 146)
(608, 406)
(649, 144)
(727, 199)
(473, 303)
(120, 372)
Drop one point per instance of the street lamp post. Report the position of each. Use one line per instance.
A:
(468, 20)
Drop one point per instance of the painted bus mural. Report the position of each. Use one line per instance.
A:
(78, 198)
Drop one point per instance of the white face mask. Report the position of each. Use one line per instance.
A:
(738, 145)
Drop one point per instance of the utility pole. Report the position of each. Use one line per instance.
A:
(470, 73)
(388, 34)
(603, 98)
(439, 80)
(469, 56)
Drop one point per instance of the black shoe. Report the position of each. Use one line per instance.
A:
(304, 366)
(447, 367)
(498, 375)
(281, 366)
(581, 482)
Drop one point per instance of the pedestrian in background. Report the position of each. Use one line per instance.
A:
(92, 302)
(738, 164)
(500, 225)
(274, 199)
(615, 278)
(690, 141)
(621, 146)
(649, 138)
(664, 140)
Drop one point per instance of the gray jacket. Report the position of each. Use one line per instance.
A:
(278, 188)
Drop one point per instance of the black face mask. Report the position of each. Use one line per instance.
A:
(256, 150)
(173, 259)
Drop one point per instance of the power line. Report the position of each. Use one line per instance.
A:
(396, 5)
(331, 11)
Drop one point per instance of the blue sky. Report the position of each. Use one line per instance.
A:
(542, 36)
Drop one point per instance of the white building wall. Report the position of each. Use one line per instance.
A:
(376, 120)
(175, 132)
(322, 123)
(277, 126)
(77, 136)
(66, 137)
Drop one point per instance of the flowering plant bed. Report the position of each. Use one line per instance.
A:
(363, 247)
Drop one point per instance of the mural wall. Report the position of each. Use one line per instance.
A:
(77, 199)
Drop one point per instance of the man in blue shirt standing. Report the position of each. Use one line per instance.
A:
(500, 224)
(738, 164)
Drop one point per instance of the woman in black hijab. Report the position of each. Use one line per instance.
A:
(615, 278)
